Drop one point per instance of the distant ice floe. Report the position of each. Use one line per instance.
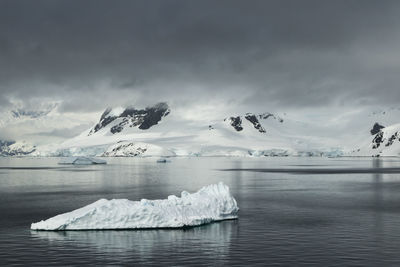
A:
(81, 161)
(163, 160)
(211, 203)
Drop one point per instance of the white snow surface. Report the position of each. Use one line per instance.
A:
(288, 134)
(211, 203)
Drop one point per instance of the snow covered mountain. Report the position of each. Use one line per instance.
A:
(159, 131)
(385, 141)
(11, 148)
(156, 131)
(377, 134)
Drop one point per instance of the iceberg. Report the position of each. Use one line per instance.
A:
(211, 203)
(162, 161)
(82, 161)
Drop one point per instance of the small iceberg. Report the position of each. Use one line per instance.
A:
(82, 161)
(211, 203)
(162, 161)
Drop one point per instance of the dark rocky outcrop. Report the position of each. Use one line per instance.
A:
(131, 117)
(265, 116)
(376, 128)
(154, 115)
(104, 121)
(378, 139)
(236, 123)
(253, 119)
(392, 139)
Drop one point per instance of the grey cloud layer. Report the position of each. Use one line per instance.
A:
(93, 54)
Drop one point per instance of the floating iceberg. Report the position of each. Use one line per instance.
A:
(211, 203)
(162, 161)
(82, 161)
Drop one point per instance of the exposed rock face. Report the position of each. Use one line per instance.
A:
(385, 139)
(253, 119)
(236, 123)
(393, 138)
(378, 140)
(104, 121)
(388, 140)
(125, 149)
(265, 116)
(385, 143)
(376, 128)
(131, 117)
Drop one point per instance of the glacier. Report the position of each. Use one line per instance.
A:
(211, 203)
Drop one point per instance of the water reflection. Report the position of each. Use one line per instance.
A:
(377, 184)
(378, 203)
(215, 237)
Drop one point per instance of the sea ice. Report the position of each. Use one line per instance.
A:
(211, 203)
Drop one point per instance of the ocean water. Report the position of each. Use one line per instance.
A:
(293, 211)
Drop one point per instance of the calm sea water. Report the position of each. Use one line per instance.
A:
(291, 212)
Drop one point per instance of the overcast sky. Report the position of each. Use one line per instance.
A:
(236, 55)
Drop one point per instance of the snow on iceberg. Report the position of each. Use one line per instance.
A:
(211, 203)
(82, 161)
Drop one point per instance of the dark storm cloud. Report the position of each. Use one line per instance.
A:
(94, 54)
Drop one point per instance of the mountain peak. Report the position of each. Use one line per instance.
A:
(376, 128)
(237, 121)
(119, 118)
